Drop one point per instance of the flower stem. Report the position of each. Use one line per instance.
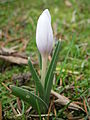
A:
(44, 66)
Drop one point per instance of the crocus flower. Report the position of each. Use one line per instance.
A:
(44, 34)
(44, 39)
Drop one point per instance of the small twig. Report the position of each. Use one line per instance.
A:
(55, 113)
(28, 110)
(68, 71)
(12, 59)
(49, 109)
(42, 115)
(13, 109)
(61, 82)
(18, 112)
(62, 100)
(79, 77)
(78, 103)
(19, 104)
(6, 87)
(85, 107)
(25, 42)
(82, 44)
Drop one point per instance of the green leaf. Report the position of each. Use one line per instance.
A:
(30, 98)
(40, 60)
(39, 86)
(49, 75)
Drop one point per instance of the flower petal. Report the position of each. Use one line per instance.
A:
(44, 33)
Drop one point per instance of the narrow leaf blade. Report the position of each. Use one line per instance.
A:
(39, 86)
(30, 98)
(40, 60)
(49, 75)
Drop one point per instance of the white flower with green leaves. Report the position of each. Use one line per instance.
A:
(44, 39)
(39, 99)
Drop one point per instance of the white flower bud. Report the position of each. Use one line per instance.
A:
(44, 33)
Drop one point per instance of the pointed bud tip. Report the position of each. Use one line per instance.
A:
(46, 11)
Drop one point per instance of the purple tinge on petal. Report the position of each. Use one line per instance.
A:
(44, 34)
(47, 13)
